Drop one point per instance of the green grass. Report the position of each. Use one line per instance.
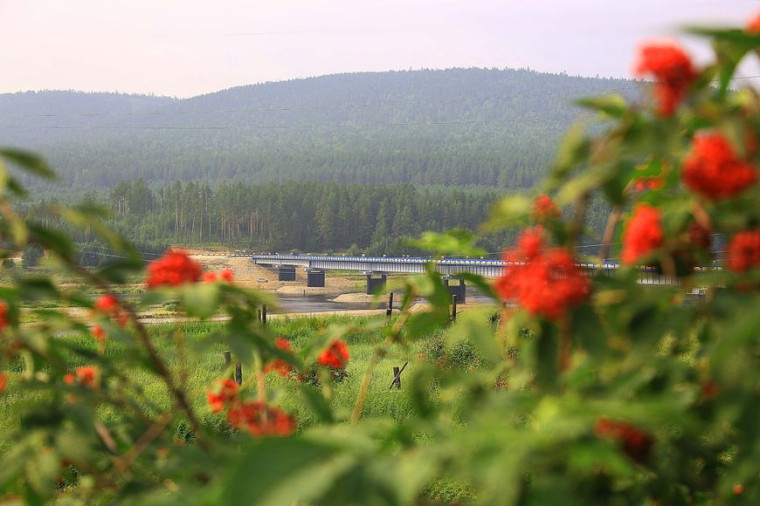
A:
(203, 368)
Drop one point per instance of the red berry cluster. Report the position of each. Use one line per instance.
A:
(226, 275)
(636, 443)
(98, 333)
(86, 376)
(223, 395)
(648, 183)
(713, 170)
(261, 420)
(279, 365)
(545, 282)
(109, 305)
(753, 27)
(673, 71)
(172, 269)
(3, 315)
(643, 233)
(544, 209)
(255, 417)
(744, 251)
(336, 356)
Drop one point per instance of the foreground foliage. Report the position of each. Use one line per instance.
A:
(616, 393)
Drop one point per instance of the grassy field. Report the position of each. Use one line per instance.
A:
(198, 371)
(202, 369)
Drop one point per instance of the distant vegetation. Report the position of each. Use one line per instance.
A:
(304, 215)
(431, 149)
(451, 127)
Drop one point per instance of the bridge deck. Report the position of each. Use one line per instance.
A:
(412, 265)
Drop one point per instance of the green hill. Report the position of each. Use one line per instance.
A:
(485, 127)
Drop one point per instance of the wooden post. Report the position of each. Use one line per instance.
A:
(397, 377)
(389, 310)
(453, 308)
(258, 314)
(264, 315)
(238, 373)
(238, 367)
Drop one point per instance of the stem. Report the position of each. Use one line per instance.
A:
(609, 231)
(261, 387)
(152, 433)
(366, 380)
(576, 226)
(563, 363)
(155, 359)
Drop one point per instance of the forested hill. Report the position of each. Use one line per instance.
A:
(438, 127)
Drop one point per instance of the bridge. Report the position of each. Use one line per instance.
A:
(377, 269)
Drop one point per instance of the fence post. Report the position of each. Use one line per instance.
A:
(397, 376)
(264, 315)
(389, 310)
(238, 367)
(453, 308)
(238, 373)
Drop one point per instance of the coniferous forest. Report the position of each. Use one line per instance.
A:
(330, 163)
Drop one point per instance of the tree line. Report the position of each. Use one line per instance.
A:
(293, 215)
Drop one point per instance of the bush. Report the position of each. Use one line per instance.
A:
(31, 256)
(600, 387)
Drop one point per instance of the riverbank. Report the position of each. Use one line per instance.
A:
(250, 275)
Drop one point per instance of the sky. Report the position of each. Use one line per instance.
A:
(184, 48)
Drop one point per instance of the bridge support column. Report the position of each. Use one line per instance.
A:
(375, 285)
(459, 289)
(286, 273)
(315, 277)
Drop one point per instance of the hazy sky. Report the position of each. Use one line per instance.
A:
(189, 47)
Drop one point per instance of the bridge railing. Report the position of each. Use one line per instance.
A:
(485, 267)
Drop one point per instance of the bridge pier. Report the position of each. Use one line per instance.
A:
(315, 277)
(459, 289)
(375, 284)
(286, 272)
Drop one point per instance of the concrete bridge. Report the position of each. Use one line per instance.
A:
(377, 269)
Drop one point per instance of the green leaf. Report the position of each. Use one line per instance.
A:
(612, 105)
(457, 242)
(483, 285)
(474, 325)
(41, 471)
(29, 162)
(83, 218)
(285, 471)
(53, 240)
(588, 331)
(575, 147)
(319, 405)
(200, 299)
(508, 212)
(37, 289)
(118, 271)
(547, 354)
